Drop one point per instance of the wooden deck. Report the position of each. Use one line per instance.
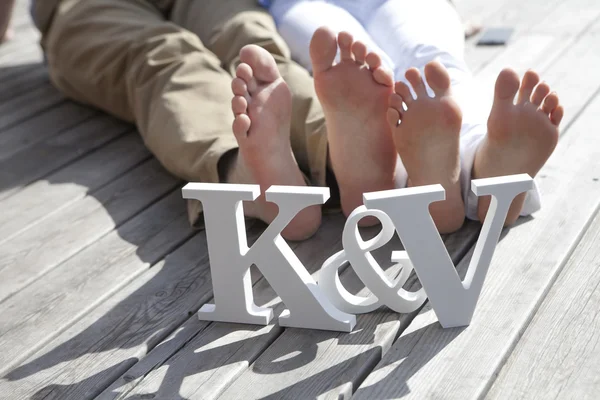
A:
(101, 277)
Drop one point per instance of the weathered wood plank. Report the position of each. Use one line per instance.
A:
(27, 74)
(124, 327)
(55, 152)
(41, 199)
(523, 17)
(85, 358)
(541, 48)
(72, 291)
(27, 38)
(27, 105)
(27, 257)
(21, 64)
(121, 387)
(568, 76)
(483, 11)
(10, 63)
(41, 126)
(558, 357)
(21, 14)
(21, 19)
(428, 361)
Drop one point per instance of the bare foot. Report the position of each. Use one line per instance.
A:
(354, 95)
(427, 137)
(521, 137)
(262, 107)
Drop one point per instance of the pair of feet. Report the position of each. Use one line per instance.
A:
(371, 120)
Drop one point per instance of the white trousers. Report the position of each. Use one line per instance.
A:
(405, 33)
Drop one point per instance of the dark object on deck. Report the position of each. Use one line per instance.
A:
(495, 36)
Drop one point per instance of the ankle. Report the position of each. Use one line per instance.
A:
(232, 169)
(513, 212)
(227, 165)
(304, 225)
(449, 223)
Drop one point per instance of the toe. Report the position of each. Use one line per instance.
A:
(373, 61)
(323, 49)
(438, 78)
(360, 52)
(507, 85)
(395, 110)
(557, 115)
(380, 74)
(404, 91)
(393, 117)
(239, 87)
(261, 61)
(414, 77)
(345, 41)
(245, 73)
(383, 77)
(241, 126)
(539, 93)
(530, 79)
(550, 103)
(239, 105)
(396, 102)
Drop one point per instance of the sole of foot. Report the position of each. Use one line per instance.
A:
(426, 132)
(521, 136)
(262, 106)
(354, 95)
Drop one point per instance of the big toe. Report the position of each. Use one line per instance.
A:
(323, 49)
(438, 78)
(507, 86)
(261, 61)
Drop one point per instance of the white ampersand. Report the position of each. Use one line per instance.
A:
(358, 253)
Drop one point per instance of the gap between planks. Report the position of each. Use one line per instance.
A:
(557, 357)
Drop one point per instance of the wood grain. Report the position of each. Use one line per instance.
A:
(558, 357)
(107, 340)
(41, 126)
(29, 256)
(523, 17)
(27, 105)
(56, 152)
(41, 199)
(540, 48)
(26, 40)
(42, 311)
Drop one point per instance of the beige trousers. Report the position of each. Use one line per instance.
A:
(167, 65)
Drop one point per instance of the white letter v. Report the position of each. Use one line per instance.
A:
(452, 300)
